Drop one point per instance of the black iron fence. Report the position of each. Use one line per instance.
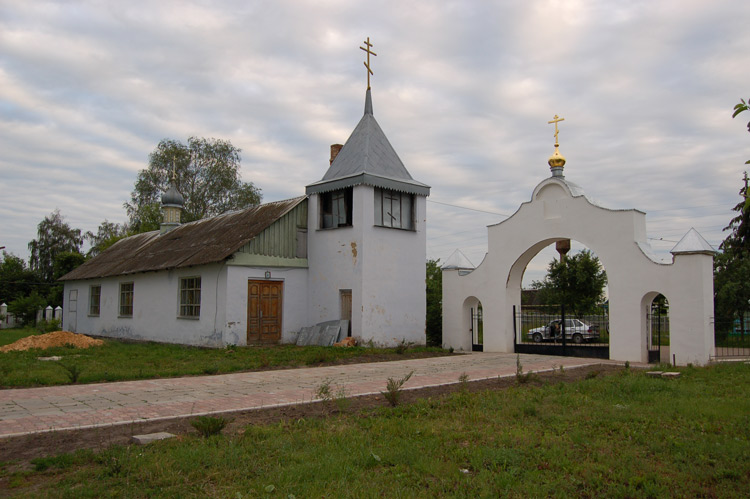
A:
(657, 333)
(548, 330)
(732, 339)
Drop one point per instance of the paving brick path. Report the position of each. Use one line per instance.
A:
(33, 410)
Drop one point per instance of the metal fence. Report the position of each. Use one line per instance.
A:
(548, 330)
(657, 334)
(732, 340)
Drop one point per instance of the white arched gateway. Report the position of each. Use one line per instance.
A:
(559, 210)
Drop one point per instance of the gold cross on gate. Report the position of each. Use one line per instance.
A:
(556, 120)
(367, 64)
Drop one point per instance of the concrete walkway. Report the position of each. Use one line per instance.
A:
(33, 410)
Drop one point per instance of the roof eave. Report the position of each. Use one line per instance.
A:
(400, 185)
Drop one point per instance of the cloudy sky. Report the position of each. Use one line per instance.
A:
(463, 90)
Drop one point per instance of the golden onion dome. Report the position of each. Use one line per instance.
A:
(557, 160)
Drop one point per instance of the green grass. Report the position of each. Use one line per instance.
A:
(118, 361)
(8, 336)
(624, 435)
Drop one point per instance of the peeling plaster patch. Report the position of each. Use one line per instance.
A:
(354, 251)
(213, 339)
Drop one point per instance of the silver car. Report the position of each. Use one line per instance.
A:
(575, 330)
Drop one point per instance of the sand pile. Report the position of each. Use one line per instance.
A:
(54, 339)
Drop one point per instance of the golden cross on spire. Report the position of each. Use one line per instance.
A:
(556, 120)
(174, 168)
(367, 64)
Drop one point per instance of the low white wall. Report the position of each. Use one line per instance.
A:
(393, 279)
(155, 308)
(383, 267)
(335, 260)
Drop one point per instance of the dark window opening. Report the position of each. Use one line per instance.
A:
(394, 209)
(336, 209)
(95, 294)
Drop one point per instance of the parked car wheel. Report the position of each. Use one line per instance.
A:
(537, 337)
(577, 339)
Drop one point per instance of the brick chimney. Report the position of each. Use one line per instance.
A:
(335, 149)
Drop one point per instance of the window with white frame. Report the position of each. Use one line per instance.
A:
(95, 297)
(394, 209)
(126, 299)
(190, 297)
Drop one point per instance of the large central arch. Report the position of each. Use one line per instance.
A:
(559, 210)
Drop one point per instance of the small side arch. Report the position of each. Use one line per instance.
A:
(654, 328)
(473, 318)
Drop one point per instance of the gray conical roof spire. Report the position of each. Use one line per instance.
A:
(368, 158)
(368, 102)
(692, 243)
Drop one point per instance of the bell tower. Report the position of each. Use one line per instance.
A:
(367, 216)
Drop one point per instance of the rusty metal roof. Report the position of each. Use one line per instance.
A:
(196, 243)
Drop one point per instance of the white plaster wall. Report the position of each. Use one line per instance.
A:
(393, 290)
(384, 268)
(691, 332)
(294, 302)
(554, 214)
(155, 307)
(334, 258)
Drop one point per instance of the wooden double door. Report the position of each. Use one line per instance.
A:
(264, 310)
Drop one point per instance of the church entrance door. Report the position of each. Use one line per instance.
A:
(264, 305)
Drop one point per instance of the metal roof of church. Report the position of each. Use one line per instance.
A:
(368, 158)
(458, 260)
(201, 242)
(692, 243)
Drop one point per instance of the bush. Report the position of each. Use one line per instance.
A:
(25, 308)
(209, 425)
(72, 371)
(402, 346)
(393, 389)
(522, 377)
(48, 326)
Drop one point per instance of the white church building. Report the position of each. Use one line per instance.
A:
(353, 248)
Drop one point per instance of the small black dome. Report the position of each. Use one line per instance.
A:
(172, 196)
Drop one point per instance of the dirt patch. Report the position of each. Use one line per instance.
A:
(21, 450)
(50, 340)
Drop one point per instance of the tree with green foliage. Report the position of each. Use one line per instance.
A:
(54, 236)
(731, 289)
(26, 307)
(106, 235)
(732, 264)
(434, 325)
(207, 174)
(577, 282)
(741, 108)
(64, 263)
(16, 279)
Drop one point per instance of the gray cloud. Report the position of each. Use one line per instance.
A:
(463, 90)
